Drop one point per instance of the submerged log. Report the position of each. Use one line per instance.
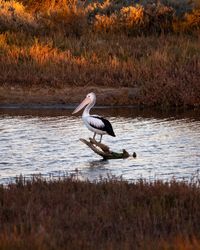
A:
(104, 151)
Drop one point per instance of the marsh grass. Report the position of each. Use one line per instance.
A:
(151, 47)
(110, 214)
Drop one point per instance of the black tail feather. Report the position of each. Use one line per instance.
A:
(108, 127)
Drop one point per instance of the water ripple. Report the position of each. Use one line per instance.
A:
(166, 147)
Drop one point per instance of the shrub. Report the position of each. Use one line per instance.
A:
(13, 16)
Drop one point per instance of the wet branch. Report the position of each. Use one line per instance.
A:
(104, 151)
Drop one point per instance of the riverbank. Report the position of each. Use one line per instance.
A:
(145, 71)
(67, 95)
(120, 96)
(110, 214)
(129, 54)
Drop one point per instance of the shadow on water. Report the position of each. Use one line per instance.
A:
(100, 164)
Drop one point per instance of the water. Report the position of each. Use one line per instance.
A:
(46, 141)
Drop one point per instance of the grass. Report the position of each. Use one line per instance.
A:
(110, 214)
(153, 48)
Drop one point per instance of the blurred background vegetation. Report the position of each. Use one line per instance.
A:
(79, 16)
(74, 17)
(152, 46)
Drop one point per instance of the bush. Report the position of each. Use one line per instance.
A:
(13, 16)
(76, 18)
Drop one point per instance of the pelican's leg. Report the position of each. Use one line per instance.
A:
(94, 135)
(100, 138)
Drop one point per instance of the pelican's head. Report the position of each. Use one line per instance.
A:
(90, 98)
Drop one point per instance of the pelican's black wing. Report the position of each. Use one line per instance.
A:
(101, 123)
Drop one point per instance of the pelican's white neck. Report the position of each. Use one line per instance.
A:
(86, 111)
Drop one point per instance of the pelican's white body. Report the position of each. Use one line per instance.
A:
(92, 120)
(94, 123)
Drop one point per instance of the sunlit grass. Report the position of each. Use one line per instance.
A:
(155, 65)
(13, 16)
(74, 17)
(153, 48)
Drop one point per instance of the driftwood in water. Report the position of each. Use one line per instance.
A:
(104, 151)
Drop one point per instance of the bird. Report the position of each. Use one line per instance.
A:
(94, 123)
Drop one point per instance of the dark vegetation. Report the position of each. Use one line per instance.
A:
(110, 214)
(150, 46)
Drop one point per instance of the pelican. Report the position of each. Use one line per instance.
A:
(94, 123)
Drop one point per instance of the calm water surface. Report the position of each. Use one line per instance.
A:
(46, 141)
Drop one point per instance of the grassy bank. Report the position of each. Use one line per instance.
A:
(111, 214)
(151, 48)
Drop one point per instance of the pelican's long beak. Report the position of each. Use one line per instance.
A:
(82, 105)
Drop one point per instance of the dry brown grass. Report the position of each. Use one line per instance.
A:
(73, 17)
(163, 71)
(69, 43)
(111, 214)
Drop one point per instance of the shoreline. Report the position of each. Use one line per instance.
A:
(66, 95)
(34, 97)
